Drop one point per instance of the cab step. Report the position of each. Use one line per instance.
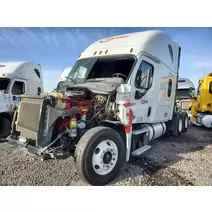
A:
(140, 131)
(141, 150)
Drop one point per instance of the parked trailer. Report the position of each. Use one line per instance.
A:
(16, 79)
(120, 95)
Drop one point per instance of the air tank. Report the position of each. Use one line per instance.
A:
(207, 121)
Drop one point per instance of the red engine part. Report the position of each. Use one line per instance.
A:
(68, 104)
(83, 106)
(61, 124)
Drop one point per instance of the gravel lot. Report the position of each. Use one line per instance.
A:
(184, 160)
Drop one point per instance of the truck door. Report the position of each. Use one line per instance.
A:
(143, 94)
(17, 88)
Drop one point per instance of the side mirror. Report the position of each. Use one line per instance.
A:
(191, 90)
(193, 96)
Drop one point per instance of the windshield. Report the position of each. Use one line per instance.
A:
(183, 93)
(199, 89)
(92, 68)
(4, 82)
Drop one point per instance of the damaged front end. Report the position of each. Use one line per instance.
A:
(39, 127)
(51, 125)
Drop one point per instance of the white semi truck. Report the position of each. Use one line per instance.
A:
(119, 96)
(184, 89)
(16, 79)
(63, 77)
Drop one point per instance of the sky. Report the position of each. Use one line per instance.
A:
(58, 48)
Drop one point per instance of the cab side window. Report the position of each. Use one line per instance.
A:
(142, 78)
(169, 88)
(210, 87)
(18, 88)
(199, 88)
(39, 90)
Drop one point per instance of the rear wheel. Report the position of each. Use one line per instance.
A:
(99, 155)
(5, 128)
(185, 121)
(178, 124)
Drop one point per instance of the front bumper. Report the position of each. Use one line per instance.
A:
(25, 146)
(37, 152)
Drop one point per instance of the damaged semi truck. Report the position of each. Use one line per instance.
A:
(119, 96)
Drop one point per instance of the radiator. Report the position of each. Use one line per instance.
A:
(30, 118)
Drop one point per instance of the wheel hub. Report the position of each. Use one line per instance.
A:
(105, 157)
(180, 125)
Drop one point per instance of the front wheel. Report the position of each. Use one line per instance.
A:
(99, 155)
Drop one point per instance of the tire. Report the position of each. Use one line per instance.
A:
(178, 125)
(89, 164)
(5, 128)
(185, 122)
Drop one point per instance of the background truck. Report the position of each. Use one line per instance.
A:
(16, 79)
(183, 98)
(119, 96)
(201, 107)
(63, 76)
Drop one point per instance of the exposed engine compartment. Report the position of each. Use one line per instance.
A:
(58, 121)
(90, 106)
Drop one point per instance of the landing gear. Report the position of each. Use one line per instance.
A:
(99, 155)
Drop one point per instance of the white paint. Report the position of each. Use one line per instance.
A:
(152, 47)
(22, 72)
(97, 159)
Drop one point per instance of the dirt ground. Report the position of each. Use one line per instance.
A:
(184, 160)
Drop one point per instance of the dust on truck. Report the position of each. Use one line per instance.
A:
(16, 79)
(118, 97)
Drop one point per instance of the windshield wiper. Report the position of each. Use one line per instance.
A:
(97, 80)
(72, 80)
